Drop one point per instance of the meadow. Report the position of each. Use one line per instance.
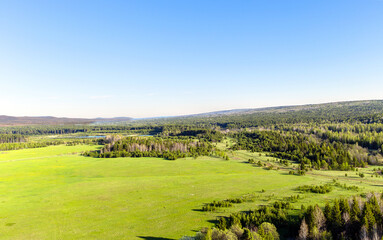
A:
(55, 193)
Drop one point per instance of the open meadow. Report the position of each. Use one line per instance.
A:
(55, 193)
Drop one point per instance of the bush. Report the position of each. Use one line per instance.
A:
(322, 189)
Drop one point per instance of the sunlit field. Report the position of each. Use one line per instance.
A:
(54, 193)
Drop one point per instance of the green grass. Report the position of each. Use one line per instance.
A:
(54, 193)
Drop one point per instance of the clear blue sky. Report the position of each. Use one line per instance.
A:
(169, 57)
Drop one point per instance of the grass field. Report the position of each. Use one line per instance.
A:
(54, 193)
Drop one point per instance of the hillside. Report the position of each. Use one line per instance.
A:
(365, 111)
(362, 105)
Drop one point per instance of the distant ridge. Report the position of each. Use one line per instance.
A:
(277, 109)
(364, 105)
(49, 120)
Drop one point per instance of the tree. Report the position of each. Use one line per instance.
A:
(327, 212)
(368, 219)
(303, 231)
(237, 231)
(267, 230)
(336, 215)
(363, 234)
(208, 234)
(247, 235)
(222, 223)
(319, 219)
(344, 206)
(375, 208)
(336, 219)
(355, 211)
(309, 216)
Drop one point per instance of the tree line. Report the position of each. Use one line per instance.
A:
(303, 149)
(12, 138)
(40, 144)
(168, 148)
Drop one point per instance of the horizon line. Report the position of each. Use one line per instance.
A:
(192, 114)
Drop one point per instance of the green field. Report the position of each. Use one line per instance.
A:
(54, 193)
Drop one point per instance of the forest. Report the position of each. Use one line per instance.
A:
(353, 218)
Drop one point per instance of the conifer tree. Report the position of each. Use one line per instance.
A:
(355, 211)
(336, 215)
(247, 235)
(327, 212)
(303, 233)
(319, 219)
(368, 217)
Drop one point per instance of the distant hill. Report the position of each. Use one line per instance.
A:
(365, 111)
(345, 110)
(362, 105)
(111, 120)
(48, 120)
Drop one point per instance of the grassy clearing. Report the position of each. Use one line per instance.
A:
(53, 193)
(38, 153)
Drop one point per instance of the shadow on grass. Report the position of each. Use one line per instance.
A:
(215, 221)
(376, 185)
(285, 173)
(154, 238)
(197, 210)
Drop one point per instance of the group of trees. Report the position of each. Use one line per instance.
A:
(12, 138)
(168, 148)
(17, 146)
(199, 133)
(344, 219)
(275, 213)
(220, 204)
(354, 218)
(40, 144)
(326, 188)
(303, 149)
(86, 129)
(369, 136)
(265, 231)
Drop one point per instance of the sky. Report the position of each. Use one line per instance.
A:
(146, 58)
